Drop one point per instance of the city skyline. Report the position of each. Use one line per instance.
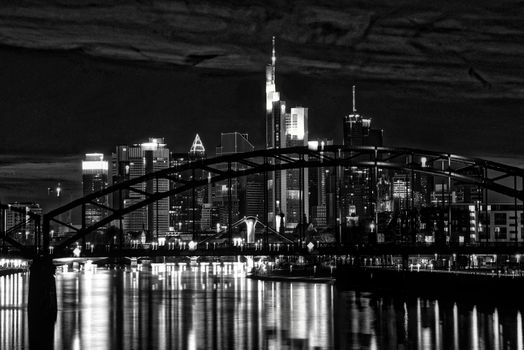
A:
(229, 174)
(54, 89)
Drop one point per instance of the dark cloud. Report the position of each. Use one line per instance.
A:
(468, 48)
(82, 76)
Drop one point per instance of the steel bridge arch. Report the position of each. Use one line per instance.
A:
(488, 175)
(4, 232)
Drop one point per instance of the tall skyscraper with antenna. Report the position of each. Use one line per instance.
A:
(357, 129)
(273, 104)
(287, 189)
(358, 185)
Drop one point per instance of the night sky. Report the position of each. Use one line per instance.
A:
(84, 76)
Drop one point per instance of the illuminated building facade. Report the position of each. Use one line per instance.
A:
(95, 171)
(137, 160)
(319, 199)
(287, 189)
(359, 185)
(252, 196)
(501, 223)
(191, 211)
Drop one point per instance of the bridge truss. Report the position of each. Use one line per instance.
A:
(489, 175)
(26, 218)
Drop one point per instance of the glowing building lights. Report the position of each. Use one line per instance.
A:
(94, 162)
(285, 129)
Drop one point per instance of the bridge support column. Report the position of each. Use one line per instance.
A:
(405, 261)
(41, 306)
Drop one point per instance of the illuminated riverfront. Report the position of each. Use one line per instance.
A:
(276, 175)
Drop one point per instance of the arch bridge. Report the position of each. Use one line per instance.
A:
(485, 174)
(488, 175)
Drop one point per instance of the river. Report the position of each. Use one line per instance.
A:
(216, 307)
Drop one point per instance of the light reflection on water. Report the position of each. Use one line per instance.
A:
(186, 307)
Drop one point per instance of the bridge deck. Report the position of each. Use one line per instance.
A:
(299, 249)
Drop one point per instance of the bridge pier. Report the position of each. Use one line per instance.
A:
(405, 261)
(42, 308)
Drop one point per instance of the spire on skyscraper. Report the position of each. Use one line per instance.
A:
(273, 53)
(354, 101)
(197, 148)
(272, 94)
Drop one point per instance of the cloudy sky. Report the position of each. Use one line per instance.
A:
(79, 76)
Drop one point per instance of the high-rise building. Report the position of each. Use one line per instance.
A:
(358, 185)
(252, 196)
(95, 178)
(137, 160)
(357, 129)
(231, 143)
(287, 189)
(191, 211)
(319, 188)
(180, 214)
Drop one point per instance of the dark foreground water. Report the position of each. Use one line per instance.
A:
(191, 307)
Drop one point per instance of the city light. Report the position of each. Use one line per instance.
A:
(235, 232)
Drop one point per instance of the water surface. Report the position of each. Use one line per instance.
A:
(216, 307)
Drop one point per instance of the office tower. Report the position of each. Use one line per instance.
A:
(95, 178)
(199, 199)
(357, 129)
(295, 182)
(252, 196)
(319, 188)
(358, 185)
(468, 193)
(137, 160)
(209, 217)
(287, 189)
(274, 109)
(402, 192)
(180, 214)
(189, 213)
(231, 143)
(272, 103)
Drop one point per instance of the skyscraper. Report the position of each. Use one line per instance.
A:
(295, 182)
(319, 200)
(358, 193)
(358, 131)
(287, 189)
(191, 210)
(230, 143)
(95, 178)
(273, 107)
(133, 161)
